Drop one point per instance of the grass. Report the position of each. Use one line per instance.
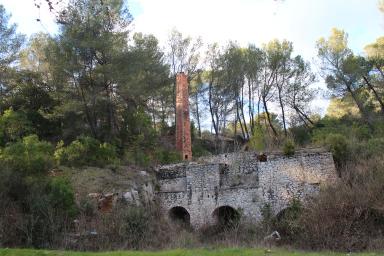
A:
(178, 252)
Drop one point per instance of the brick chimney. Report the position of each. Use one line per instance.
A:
(183, 125)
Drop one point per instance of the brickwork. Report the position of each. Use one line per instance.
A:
(183, 126)
(240, 181)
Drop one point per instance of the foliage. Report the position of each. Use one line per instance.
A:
(61, 196)
(338, 145)
(199, 149)
(257, 141)
(10, 43)
(166, 156)
(86, 151)
(136, 226)
(13, 126)
(349, 215)
(289, 148)
(29, 156)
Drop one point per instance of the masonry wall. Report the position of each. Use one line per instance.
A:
(240, 181)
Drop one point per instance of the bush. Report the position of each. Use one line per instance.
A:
(61, 196)
(13, 126)
(368, 149)
(257, 141)
(86, 151)
(36, 207)
(137, 156)
(29, 156)
(165, 156)
(349, 215)
(125, 227)
(289, 148)
(338, 145)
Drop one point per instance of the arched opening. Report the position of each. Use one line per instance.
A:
(179, 215)
(226, 216)
(285, 220)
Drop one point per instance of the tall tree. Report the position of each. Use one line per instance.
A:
(197, 91)
(374, 78)
(268, 83)
(253, 73)
(93, 37)
(145, 76)
(280, 63)
(10, 45)
(220, 93)
(183, 56)
(299, 93)
(233, 61)
(339, 66)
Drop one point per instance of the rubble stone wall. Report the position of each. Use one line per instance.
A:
(240, 181)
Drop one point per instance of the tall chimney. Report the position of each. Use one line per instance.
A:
(183, 125)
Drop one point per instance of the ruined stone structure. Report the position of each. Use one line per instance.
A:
(241, 183)
(183, 126)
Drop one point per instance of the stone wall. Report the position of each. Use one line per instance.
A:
(240, 181)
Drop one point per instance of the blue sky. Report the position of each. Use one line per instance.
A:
(245, 21)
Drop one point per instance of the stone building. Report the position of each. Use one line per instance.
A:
(241, 184)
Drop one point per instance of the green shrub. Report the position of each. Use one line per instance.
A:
(338, 145)
(167, 156)
(289, 148)
(61, 196)
(301, 135)
(86, 151)
(257, 141)
(199, 149)
(29, 156)
(13, 126)
(368, 149)
(137, 157)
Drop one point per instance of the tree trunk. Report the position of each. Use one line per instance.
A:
(302, 114)
(251, 106)
(239, 118)
(377, 96)
(282, 111)
(364, 113)
(197, 113)
(242, 114)
(211, 109)
(269, 117)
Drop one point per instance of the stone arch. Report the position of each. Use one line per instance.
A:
(179, 215)
(283, 218)
(226, 215)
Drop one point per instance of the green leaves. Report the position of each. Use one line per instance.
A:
(13, 126)
(86, 151)
(29, 156)
(10, 40)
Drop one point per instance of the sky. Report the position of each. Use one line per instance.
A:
(246, 21)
